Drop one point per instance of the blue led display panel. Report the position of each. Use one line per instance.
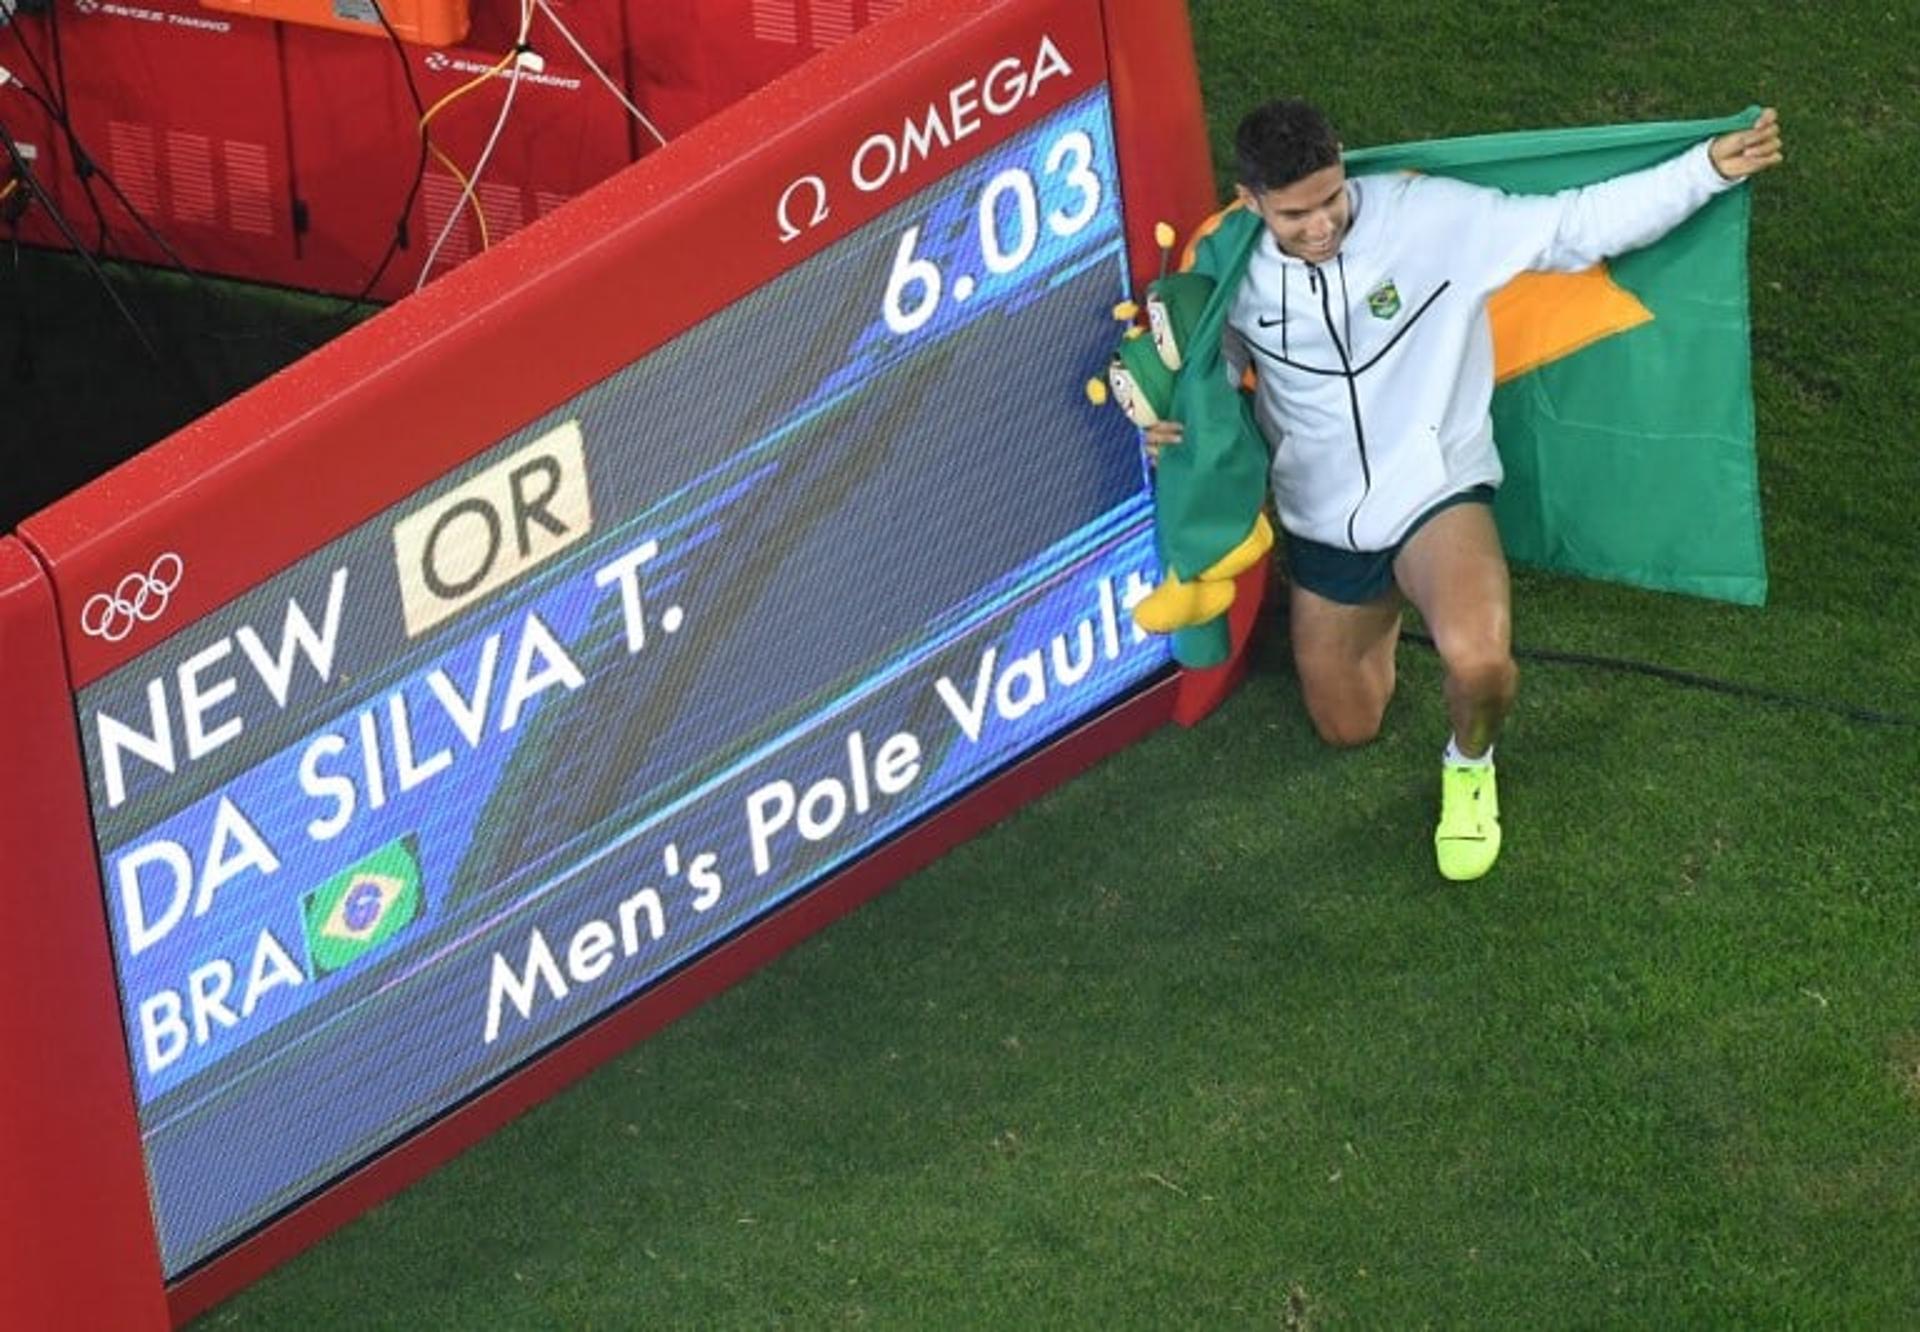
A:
(399, 819)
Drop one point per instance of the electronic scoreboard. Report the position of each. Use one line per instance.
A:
(414, 732)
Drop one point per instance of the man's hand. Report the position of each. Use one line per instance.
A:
(1160, 434)
(1748, 152)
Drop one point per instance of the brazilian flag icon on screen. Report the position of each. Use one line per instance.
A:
(359, 909)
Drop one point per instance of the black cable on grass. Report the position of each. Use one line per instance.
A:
(1709, 683)
(87, 167)
(90, 168)
(84, 165)
(24, 174)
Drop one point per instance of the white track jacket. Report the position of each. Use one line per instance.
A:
(1376, 369)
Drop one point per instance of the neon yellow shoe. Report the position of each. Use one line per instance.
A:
(1467, 840)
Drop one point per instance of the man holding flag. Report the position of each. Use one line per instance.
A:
(1363, 310)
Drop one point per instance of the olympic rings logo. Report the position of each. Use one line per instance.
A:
(137, 599)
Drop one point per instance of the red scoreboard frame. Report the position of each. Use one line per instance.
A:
(310, 454)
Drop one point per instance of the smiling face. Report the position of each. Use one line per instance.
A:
(1160, 325)
(1309, 218)
(1127, 395)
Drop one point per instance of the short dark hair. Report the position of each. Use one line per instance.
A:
(1281, 142)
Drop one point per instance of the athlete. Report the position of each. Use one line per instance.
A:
(1363, 314)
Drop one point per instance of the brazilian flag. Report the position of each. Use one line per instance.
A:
(1624, 411)
(1624, 406)
(359, 909)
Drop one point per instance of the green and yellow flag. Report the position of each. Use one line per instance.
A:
(362, 907)
(1624, 414)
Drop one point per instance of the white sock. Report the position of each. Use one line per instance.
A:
(1453, 756)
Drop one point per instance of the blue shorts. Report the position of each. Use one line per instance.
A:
(1356, 577)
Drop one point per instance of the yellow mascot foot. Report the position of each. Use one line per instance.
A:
(1258, 541)
(1177, 605)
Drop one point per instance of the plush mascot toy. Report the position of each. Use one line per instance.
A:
(1210, 489)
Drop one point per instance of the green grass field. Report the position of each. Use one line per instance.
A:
(1203, 1041)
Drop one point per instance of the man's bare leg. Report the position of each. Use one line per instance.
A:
(1344, 656)
(1454, 571)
